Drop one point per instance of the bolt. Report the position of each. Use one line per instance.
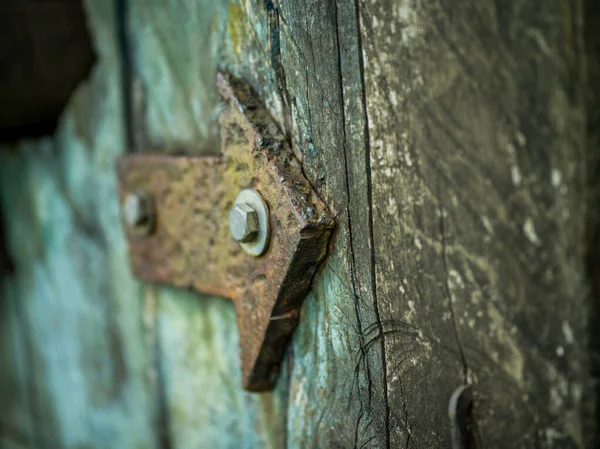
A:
(249, 222)
(243, 223)
(137, 212)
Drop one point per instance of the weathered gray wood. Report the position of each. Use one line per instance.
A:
(476, 120)
(468, 124)
(591, 416)
(320, 59)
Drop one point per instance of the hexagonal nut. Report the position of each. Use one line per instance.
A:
(137, 211)
(243, 223)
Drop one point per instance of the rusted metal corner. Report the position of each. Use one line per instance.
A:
(190, 245)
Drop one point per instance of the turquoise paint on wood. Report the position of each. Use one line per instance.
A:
(177, 50)
(78, 309)
(185, 385)
(93, 332)
(207, 407)
(14, 394)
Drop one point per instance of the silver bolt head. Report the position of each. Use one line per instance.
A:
(243, 223)
(136, 211)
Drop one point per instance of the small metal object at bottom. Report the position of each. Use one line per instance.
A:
(252, 237)
(459, 412)
(136, 211)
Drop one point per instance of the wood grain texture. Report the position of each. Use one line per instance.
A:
(337, 349)
(455, 162)
(477, 131)
(307, 73)
(591, 420)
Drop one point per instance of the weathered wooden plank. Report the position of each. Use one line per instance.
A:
(476, 122)
(30, 374)
(337, 349)
(79, 309)
(199, 351)
(258, 44)
(46, 52)
(478, 224)
(176, 48)
(591, 14)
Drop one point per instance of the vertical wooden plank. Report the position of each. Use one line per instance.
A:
(79, 309)
(337, 348)
(476, 120)
(174, 54)
(302, 78)
(176, 48)
(16, 420)
(591, 14)
(199, 346)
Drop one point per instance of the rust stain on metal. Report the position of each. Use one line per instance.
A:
(191, 246)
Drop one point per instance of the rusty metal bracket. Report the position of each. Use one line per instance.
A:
(189, 245)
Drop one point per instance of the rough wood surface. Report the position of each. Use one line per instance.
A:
(337, 355)
(477, 130)
(175, 50)
(591, 421)
(333, 367)
(454, 162)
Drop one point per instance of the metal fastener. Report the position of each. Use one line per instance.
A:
(137, 212)
(459, 411)
(249, 222)
(243, 223)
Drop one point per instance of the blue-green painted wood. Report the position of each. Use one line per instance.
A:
(206, 406)
(336, 389)
(177, 48)
(184, 380)
(77, 307)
